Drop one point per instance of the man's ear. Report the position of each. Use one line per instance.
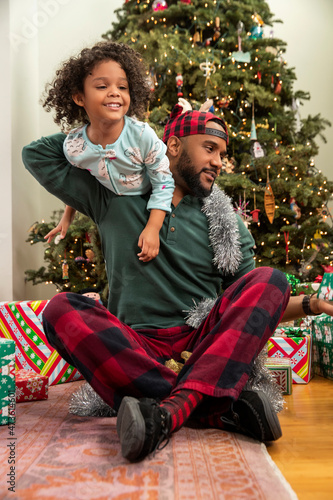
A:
(174, 146)
(78, 99)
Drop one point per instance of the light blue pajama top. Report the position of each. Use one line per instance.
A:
(133, 165)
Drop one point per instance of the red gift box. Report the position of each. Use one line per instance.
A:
(30, 386)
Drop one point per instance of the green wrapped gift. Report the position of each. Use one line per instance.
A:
(322, 329)
(326, 287)
(7, 381)
(322, 333)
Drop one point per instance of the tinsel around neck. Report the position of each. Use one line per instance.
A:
(223, 230)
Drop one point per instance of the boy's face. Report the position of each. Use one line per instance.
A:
(106, 96)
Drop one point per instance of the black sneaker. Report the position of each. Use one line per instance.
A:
(142, 426)
(252, 414)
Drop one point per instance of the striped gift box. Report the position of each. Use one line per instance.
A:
(298, 350)
(22, 322)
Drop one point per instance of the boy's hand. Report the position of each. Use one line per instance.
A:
(58, 229)
(63, 225)
(149, 242)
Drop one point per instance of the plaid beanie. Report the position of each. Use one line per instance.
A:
(192, 123)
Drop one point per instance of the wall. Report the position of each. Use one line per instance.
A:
(6, 259)
(41, 34)
(307, 29)
(36, 35)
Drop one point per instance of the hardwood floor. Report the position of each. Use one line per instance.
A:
(304, 454)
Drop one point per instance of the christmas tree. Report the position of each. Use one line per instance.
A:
(219, 50)
(199, 50)
(75, 263)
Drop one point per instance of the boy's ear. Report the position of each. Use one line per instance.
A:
(78, 99)
(174, 145)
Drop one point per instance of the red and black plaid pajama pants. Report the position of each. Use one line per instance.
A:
(118, 361)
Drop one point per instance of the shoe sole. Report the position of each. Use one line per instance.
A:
(131, 428)
(271, 416)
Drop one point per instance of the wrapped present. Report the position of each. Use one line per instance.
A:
(322, 332)
(22, 322)
(322, 328)
(306, 288)
(281, 371)
(30, 386)
(7, 381)
(325, 290)
(298, 350)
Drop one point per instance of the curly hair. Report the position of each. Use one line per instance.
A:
(69, 80)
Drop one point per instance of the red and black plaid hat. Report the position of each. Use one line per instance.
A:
(192, 123)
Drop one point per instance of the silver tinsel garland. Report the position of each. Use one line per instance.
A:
(85, 402)
(224, 237)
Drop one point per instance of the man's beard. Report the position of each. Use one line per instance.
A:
(186, 170)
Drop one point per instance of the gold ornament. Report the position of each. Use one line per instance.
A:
(269, 200)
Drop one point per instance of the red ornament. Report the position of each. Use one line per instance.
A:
(186, 1)
(179, 83)
(159, 5)
(255, 215)
(259, 76)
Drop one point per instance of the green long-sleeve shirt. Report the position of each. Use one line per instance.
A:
(156, 294)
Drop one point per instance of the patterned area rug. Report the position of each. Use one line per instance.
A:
(59, 455)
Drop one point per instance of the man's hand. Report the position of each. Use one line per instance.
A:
(319, 306)
(149, 242)
(294, 309)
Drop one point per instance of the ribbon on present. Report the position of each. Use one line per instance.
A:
(290, 331)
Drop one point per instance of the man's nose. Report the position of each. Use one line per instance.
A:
(217, 162)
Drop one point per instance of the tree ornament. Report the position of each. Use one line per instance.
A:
(278, 87)
(269, 200)
(242, 211)
(90, 255)
(197, 37)
(152, 79)
(276, 146)
(295, 107)
(257, 150)
(65, 268)
(258, 19)
(241, 56)
(80, 261)
(286, 239)
(186, 1)
(228, 165)
(179, 83)
(295, 208)
(259, 75)
(208, 68)
(256, 33)
(223, 102)
(159, 5)
(217, 32)
(255, 212)
(57, 239)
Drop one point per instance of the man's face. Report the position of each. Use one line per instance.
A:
(199, 162)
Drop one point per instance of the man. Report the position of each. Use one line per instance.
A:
(121, 351)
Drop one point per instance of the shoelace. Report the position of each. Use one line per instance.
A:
(165, 435)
